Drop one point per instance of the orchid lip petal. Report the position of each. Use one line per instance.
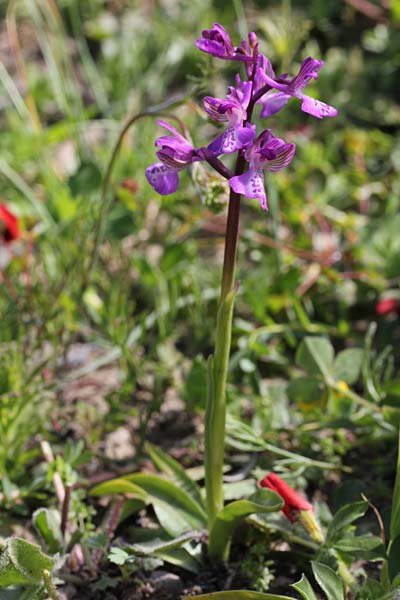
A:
(162, 179)
(251, 185)
(317, 108)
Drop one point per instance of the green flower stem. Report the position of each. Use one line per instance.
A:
(218, 365)
(216, 409)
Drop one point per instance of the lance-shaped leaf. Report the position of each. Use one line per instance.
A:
(23, 563)
(176, 511)
(155, 542)
(304, 588)
(239, 595)
(344, 517)
(119, 485)
(176, 473)
(328, 580)
(263, 501)
(160, 543)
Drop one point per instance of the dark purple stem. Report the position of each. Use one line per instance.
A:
(215, 163)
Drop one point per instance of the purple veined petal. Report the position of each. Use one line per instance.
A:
(245, 135)
(232, 139)
(211, 47)
(317, 108)
(265, 64)
(272, 102)
(225, 143)
(282, 158)
(308, 70)
(251, 185)
(162, 179)
(216, 41)
(246, 90)
(216, 108)
(174, 131)
(219, 34)
(262, 78)
(180, 146)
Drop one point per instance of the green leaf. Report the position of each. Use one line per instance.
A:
(239, 595)
(347, 365)
(394, 558)
(119, 485)
(308, 392)
(180, 558)
(304, 588)
(371, 589)
(315, 355)
(176, 473)
(22, 562)
(395, 516)
(263, 501)
(47, 523)
(360, 544)
(176, 511)
(161, 544)
(328, 580)
(344, 517)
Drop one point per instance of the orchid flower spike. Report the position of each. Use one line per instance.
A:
(267, 153)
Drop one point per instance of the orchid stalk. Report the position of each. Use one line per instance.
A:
(255, 154)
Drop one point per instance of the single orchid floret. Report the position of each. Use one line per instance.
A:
(9, 225)
(268, 153)
(217, 42)
(233, 110)
(294, 503)
(176, 153)
(283, 89)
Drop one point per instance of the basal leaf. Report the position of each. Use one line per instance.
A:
(159, 544)
(120, 485)
(176, 511)
(263, 501)
(176, 473)
(328, 580)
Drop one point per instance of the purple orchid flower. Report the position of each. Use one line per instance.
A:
(217, 42)
(283, 89)
(232, 110)
(176, 153)
(267, 153)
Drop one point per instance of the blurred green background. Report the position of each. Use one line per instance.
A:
(329, 249)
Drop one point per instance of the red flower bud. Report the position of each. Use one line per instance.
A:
(294, 503)
(387, 306)
(9, 226)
